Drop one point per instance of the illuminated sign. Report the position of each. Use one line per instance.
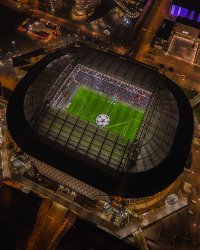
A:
(183, 12)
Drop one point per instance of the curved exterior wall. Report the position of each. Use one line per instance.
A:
(165, 148)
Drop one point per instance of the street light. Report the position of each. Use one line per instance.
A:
(13, 43)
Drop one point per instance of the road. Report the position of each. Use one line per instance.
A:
(53, 219)
(7, 75)
(4, 154)
(192, 177)
(13, 5)
(156, 16)
(57, 20)
(82, 30)
(184, 73)
(152, 217)
(141, 240)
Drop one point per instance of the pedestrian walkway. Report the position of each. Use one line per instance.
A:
(152, 217)
(195, 100)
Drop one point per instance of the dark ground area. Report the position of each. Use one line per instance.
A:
(18, 213)
(9, 22)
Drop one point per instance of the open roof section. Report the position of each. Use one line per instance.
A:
(161, 158)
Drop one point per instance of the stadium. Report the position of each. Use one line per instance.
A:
(101, 124)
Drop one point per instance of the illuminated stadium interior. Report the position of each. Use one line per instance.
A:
(89, 94)
(89, 113)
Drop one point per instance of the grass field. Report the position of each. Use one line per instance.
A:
(88, 104)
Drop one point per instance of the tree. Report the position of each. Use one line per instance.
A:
(161, 66)
(170, 69)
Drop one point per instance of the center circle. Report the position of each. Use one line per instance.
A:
(102, 120)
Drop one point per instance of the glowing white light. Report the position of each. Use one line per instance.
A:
(102, 120)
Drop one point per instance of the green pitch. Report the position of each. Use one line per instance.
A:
(88, 104)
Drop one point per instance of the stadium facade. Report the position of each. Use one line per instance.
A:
(96, 160)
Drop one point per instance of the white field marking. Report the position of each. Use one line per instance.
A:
(72, 105)
(110, 105)
(117, 124)
(100, 110)
(83, 100)
(121, 123)
(69, 104)
(86, 106)
(80, 110)
(125, 129)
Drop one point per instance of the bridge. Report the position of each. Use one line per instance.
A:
(195, 100)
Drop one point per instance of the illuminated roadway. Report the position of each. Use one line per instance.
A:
(55, 214)
(151, 26)
(81, 29)
(5, 163)
(53, 220)
(184, 73)
(57, 20)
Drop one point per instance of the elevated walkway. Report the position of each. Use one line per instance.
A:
(194, 101)
(151, 218)
(141, 240)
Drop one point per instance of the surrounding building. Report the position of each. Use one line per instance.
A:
(96, 135)
(82, 9)
(186, 9)
(162, 38)
(184, 43)
(179, 39)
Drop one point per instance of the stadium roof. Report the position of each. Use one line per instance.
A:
(157, 158)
